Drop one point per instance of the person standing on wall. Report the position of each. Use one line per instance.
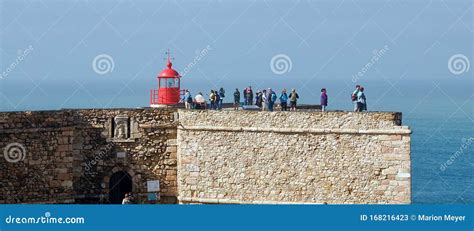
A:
(236, 99)
(293, 98)
(259, 99)
(272, 97)
(200, 101)
(361, 100)
(324, 99)
(250, 95)
(264, 100)
(245, 96)
(216, 100)
(221, 97)
(284, 100)
(354, 97)
(188, 100)
(212, 100)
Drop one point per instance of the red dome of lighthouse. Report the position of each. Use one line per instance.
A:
(169, 72)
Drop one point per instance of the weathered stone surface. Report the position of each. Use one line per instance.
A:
(71, 154)
(284, 157)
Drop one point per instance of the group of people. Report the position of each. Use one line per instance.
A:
(216, 98)
(265, 99)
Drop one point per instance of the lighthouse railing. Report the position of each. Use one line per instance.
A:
(153, 96)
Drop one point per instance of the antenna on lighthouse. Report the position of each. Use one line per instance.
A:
(168, 53)
(169, 64)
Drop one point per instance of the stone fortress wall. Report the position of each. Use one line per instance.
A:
(70, 156)
(78, 156)
(287, 157)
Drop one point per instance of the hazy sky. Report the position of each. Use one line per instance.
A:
(399, 50)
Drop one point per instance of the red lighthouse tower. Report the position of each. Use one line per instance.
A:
(169, 91)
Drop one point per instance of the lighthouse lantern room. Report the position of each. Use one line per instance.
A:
(169, 87)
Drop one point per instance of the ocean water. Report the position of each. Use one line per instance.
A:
(442, 157)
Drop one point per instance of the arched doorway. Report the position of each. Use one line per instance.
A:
(119, 184)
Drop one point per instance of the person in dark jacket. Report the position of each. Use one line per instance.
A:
(221, 98)
(236, 99)
(324, 99)
(284, 100)
(258, 99)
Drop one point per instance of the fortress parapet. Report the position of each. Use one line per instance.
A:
(287, 157)
(170, 155)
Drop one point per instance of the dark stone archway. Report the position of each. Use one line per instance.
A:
(119, 184)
